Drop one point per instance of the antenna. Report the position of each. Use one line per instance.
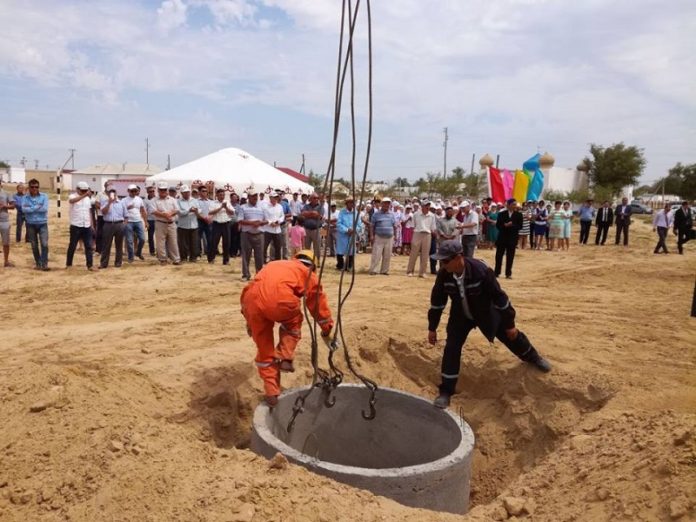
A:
(444, 144)
(147, 150)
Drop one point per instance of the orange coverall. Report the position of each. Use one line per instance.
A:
(274, 296)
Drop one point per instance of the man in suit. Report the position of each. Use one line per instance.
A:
(683, 225)
(603, 220)
(509, 224)
(623, 221)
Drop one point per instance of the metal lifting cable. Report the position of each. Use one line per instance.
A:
(328, 381)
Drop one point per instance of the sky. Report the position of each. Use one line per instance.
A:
(506, 77)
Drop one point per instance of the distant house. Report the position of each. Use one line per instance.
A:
(97, 175)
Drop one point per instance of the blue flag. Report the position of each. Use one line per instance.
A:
(536, 186)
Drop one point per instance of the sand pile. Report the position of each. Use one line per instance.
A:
(128, 394)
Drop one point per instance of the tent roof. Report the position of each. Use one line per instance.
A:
(294, 174)
(233, 169)
(114, 169)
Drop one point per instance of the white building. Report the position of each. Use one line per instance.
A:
(97, 175)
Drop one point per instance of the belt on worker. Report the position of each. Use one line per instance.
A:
(165, 222)
(113, 222)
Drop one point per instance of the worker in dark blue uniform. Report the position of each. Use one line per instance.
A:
(477, 302)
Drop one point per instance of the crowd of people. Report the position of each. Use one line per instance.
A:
(189, 224)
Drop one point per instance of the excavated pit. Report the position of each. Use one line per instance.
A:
(411, 452)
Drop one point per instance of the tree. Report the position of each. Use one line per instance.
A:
(400, 182)
(316, 180)
(4, 165)
(475, 185)
(680, 180)
(643, 189)
(458, 171)
(615, 167)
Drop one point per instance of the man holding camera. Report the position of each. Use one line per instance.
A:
(81, 224)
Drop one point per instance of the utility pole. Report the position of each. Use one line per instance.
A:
(169, 162)
(36, 164)
(72, 158)
(147, 151)
(302, 168)
(23, 162)
(444, 144)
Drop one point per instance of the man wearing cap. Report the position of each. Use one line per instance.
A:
(187, 226)
(295, 207)
(149, 203)
(477, 302)
(509, 224)
(382, 230)
(205, 229)
(424, 229)
(115, 217)
(18, 196)
(470, 229)
(346, 234)
(81, 224)
(137, 217)
(251, 222)
(166, 211)
(274, 216)
(220, 213)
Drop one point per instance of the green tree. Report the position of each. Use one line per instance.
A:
(615, 167)
(4, 165)
(316, 180)
(643, 189)
(475, 185)
(458, 171)
(400, 182)
(680, 180)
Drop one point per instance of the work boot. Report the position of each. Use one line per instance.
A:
(541, 364)
(442, 400)
(286, 365)
(271, 400)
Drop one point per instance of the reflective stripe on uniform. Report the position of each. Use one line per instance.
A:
(446, 376)
(296, 333)
(264, 364)
(324, 321)
(433, 307)
(502, 307)
(473, 285)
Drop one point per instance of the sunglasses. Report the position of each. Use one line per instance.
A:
(33, 186)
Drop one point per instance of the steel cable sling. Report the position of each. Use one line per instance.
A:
(328, 381)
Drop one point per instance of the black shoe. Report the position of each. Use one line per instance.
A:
(442, 401)
(541, 364)
(286, 365)
(141, 257)
(508, 277)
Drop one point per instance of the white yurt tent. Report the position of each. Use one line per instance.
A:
(234, 170)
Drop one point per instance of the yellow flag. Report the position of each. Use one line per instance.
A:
(519, 189)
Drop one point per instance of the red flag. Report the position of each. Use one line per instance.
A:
(495, 182)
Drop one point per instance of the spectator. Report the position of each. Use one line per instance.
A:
(623, 221)
(556, 223)
(149, 203)
(18, 197)
(382, 227)
(424, 228)
(137, 217)
(662, 220)
(296, 235)
(274, 216)
(313, 212)
(331, 230)
(541, 216)
(407, 230)
(567, 220)
(508, 224)
(187, 226)
(252, 220)
(6, 203)
(604, 219)
(35, 210)
(205, 229)
(166, 211)
(346, 232)
(81, 224)
(586, 215)
(115, 216)
(220, 213)
(683, 225)
(235, 230)
(469, 228)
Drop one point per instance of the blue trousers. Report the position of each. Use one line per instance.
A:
(133, 229)
(38, 237)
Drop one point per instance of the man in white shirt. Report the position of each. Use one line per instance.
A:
(274, 215)
(81, 224)
(469, 229)
(424, 227)
(187, 226)
(295, 207)
(137, 219)
(331, 230)
(149, 203)
(220, 212)
(251, 222)
(662, 221)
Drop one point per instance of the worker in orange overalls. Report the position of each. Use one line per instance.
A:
(275, 296)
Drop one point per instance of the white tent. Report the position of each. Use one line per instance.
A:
(235, 170)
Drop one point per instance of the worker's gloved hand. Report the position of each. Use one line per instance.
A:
(325, 332)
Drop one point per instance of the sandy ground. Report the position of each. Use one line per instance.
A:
(144, 385)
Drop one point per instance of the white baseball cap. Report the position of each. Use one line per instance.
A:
(185, 188)
(386, 200)
(163, 185)
(132, 187)
(464, 204)
(83, 185)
